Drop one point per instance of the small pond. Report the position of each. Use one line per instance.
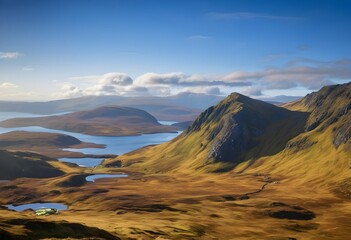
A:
(92, 178)
(36, 206)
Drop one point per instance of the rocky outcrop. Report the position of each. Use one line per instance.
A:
(329, 107)
(236, 138)
(239, 125)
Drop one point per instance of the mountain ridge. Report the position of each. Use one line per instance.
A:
(241, 134)
(229, 133)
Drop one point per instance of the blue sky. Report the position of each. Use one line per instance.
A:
(58, 49)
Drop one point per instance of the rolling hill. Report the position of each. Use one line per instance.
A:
(21, 164)
(103, 121)
(48, 144)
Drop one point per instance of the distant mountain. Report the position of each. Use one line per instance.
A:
(181, 107)
(330, 111)
(309, 139)
(103, 121)
(280, 99)
(182, 125)
(20, 164)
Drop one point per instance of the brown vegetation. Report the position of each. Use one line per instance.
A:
(103, 121)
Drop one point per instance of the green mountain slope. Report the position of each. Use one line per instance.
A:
(308, 139)
(322, 153)
(236, 130)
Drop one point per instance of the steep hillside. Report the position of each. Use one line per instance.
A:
(20, 164)
(321, 153)
(235, 130)
(330, 106)
(308, 140)
(105, 121)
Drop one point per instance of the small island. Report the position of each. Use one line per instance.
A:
(48, 144)
(103, 121)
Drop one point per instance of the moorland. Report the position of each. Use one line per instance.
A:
(244, 169)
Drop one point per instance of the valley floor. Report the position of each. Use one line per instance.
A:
(225, 206)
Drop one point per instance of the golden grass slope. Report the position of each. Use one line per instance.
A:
(311, 144)
(322, 153)
(236, 130)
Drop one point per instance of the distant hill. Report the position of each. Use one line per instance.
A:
(103, 121)
(48, 144)
(181, 107)
(309, 139)
(182, 125)
(20, 164)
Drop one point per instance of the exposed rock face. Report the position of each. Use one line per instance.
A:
(236, 138)
(300, 144)
(329, 107)
(241, 129)
(342, 135)
(239, 124)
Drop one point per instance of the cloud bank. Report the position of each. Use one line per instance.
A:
(304, 73)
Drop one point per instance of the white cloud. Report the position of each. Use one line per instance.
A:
(114, 78)
(120, 79)
(304, 72)
(10, 55)
(69, 90)
(113, 83)
(184, 80)
(7, 85)
(204, 90)
(298, 74)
